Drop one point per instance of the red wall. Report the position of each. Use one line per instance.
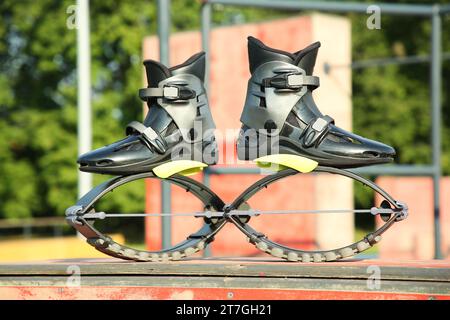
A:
(413, 238)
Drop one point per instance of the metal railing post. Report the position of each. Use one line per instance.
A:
(84, 122)
(435, 99)
(166, 194)
(206, 29)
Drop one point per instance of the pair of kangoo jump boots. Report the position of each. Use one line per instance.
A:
(279, 118)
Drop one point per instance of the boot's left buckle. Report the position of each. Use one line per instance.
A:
(176, 92)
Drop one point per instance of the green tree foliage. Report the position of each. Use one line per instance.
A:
(38, 97)
(392, 103)
(38, 146)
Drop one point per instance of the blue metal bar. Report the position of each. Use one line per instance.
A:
(233, 170)
(399, 170)
(435, 98)
(166, 194)
(381, 62)
(444, 9)
(206, 29)
(386, 8)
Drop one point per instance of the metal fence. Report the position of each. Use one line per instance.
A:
(432, 12)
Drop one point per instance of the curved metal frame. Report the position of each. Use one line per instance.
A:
(265, 244)
(197, 241)
(194, 242)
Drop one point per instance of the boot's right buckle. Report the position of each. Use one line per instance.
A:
(295, 80)
(170, 92)
(292, 81)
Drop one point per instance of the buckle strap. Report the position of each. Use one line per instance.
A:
(316, 131)
(150, 137)
(292, 81)
(170, 92)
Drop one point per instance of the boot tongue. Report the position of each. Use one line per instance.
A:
(156, 72)
(195, 65)
(259, 53)
(306, 58)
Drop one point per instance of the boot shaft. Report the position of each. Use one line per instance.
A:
(184, 99)
(279, 80)
(281, 117)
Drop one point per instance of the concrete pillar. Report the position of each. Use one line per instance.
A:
(334, 98)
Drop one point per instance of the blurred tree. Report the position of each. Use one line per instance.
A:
(392, 103)
(38, 97)
(37, 108)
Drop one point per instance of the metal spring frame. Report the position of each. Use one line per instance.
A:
(198, 241)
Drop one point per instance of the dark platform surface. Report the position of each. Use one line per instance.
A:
(226, 278)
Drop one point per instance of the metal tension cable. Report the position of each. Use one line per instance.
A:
(220, 214)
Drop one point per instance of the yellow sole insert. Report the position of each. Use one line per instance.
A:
(183, 167)
(278, 162)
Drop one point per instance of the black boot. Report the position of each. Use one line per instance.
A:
(178, 126)
(280, 115)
